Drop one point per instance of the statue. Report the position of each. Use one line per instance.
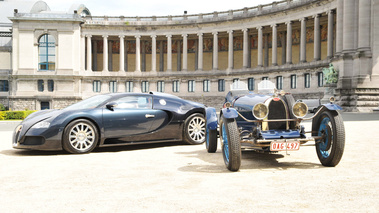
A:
(330, 75)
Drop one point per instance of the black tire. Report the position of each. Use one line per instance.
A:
(80, 136)
(330, 149)
(194, 129)
(211, 141)
(231, 146)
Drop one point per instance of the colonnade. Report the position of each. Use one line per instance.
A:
(246, 32)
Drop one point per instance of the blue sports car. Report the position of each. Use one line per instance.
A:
(113, 119)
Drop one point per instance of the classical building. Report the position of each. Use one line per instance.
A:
(58, 58)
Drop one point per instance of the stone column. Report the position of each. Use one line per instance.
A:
(89, 53)
(154, 53)
(169, 53)
(348, 26)
(105, 52)
(274, 45)
(185, 52)
(289, 43)
(94, 56)
(83, 50)
(364, 26)
(230, 51)
(200, 56)
(330, 33)
(303, 44)
(260, 47)
(122, 53)
(138, 53)
(339, 27)
(215, 50)
(317, 38)
(245, 58)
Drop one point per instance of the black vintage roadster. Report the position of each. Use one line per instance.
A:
(270, 121)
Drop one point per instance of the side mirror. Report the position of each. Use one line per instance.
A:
(111, 105)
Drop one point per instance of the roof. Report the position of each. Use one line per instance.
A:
(7, 8)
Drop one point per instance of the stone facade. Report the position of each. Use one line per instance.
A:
(288, 42)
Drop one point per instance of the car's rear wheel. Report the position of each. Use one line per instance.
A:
(194, 129)
(330, 148)
(231, 146)
(80, 136)
(211, 142)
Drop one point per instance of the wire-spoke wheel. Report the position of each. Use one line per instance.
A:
(80, 136)
(194, 131)
(331, 147)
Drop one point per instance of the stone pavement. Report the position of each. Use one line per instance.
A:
(172, 177)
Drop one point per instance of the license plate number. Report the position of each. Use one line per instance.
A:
(285, 146)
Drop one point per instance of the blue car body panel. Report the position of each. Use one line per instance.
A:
(212, 120)
(280, 134)
(229, 113)
(332, 106)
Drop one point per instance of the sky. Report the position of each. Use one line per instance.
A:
(153, 7)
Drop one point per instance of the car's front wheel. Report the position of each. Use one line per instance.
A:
(330, 148)
(80, 136)
(194, 129)
(230, 142)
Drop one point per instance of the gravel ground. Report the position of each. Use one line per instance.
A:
(172, 177)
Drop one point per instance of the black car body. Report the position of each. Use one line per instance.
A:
(113, 119)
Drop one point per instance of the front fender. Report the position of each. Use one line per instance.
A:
(229, 113)
(332, 106)
(212, 119)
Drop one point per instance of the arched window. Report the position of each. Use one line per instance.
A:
(46, 52)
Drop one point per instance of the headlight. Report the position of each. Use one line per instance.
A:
(300, 109)
(260, 111)
(41, 125)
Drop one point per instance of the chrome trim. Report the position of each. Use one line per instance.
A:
(276, 120)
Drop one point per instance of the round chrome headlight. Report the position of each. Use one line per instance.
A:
(300, 109)
(260, 111)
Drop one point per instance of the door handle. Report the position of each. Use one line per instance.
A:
(149, 116)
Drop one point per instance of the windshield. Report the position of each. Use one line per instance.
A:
(89, 103)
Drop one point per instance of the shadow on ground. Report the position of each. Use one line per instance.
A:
(250, 160)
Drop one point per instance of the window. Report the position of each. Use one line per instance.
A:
(129, 86)
(250, 83)
(293, 81)
(46, 52)
(113, 86)
(191, 86)
(45, 105)
(50, 85)
(160, 86)
(96, 86)
(130, 102)
(307, 80)
(206, 85)
(236, 82)
(175, 86)
(320, 77)
(279, 82)
(41, 85)
(221, 85)
(264, 78)
(4, 86)
(145, 86)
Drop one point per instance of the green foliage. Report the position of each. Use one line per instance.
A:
(14, 115)
(2, 107)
